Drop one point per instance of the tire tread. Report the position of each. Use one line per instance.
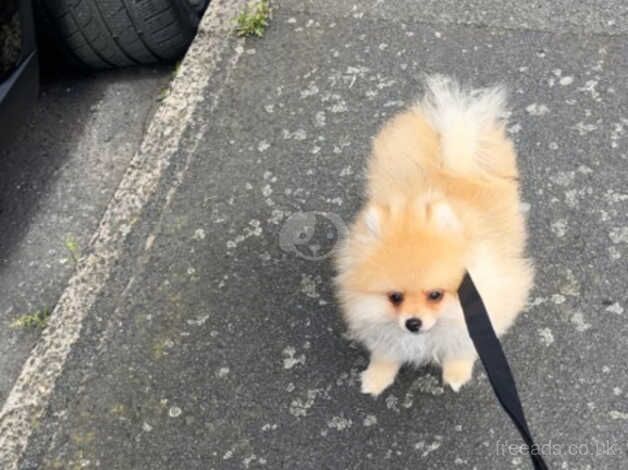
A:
(118, 33)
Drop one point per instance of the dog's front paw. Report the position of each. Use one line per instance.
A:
(378, 377)
(457, 373)
(374, 383)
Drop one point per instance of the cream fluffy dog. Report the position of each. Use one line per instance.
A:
(443, 198)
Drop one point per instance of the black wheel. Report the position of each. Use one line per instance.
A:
(117, 33)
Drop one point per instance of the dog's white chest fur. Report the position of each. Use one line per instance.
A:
(448, 338)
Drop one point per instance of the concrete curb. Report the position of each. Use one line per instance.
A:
(31, 393)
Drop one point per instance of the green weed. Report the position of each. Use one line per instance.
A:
(38, 319)
(254, 19)
(72, 246)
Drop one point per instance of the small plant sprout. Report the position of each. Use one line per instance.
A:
(72, 246)
(38, 319)
(254, 19)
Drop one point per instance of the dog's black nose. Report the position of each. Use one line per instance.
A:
(413, 324)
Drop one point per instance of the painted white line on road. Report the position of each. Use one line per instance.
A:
(31, 393)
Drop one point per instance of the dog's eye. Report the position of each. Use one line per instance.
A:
(395, 298)
(435, 295)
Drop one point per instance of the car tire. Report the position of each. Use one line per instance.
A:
(102, 34)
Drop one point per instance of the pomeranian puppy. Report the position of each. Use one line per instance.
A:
(443, 197)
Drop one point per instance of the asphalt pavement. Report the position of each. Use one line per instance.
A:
(57, 175)
(200, 330)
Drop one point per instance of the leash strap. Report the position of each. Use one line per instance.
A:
(494, 361)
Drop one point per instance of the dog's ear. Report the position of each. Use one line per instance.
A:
(372, 218)
(443, 217)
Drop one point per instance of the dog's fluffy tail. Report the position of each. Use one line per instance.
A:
(471, 125)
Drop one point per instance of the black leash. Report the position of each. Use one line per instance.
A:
(494, 361)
